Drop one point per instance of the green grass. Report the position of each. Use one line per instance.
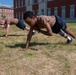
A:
(46, 55)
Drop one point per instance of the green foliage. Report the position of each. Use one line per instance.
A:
(3, 16)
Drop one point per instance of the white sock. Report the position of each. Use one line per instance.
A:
(69, 38)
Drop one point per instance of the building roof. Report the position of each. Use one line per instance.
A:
(5, 6)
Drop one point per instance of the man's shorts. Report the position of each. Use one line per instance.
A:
(21, 24)
(60, 24)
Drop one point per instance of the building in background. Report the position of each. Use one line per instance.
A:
(63, 8)
(19, 8)
(6, 11)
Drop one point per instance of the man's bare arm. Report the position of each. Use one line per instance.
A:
(49, 30)
(28, 39)
(7, 29)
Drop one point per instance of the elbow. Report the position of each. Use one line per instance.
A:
(50, 34)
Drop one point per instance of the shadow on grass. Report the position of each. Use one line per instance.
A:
(16, 35)
(12, 35)
(34, 44)
(31, 44)
(2, 36)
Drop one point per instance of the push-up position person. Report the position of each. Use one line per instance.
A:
(6, 22)
(52, 24)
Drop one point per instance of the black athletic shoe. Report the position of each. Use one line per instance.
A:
(69, 41)
(33, 33)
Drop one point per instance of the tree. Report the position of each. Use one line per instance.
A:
(3, 16)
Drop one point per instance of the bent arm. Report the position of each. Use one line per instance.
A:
(49, 30)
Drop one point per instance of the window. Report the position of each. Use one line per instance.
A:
(33, 11)
(55, 10)
(22, 15)
(3, 10)
(18, 4)
(42, 11)
(28, 2)
(50, 0)
(35, 1)
(72, 11)
(12, 11)
(63, 12)
(16, 15)
(19, 15)
(37, 12)
(42, 0)
(23, 3)
(49, 11)
(0, 10)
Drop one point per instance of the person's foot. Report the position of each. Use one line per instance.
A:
(33, 33)
(69, 41)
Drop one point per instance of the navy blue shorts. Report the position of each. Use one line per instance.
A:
(21, 24)
(60, 24)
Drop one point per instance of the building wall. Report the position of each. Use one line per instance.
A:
(42, 7)
(35, 9)
(29, 8)
(19, 8)
(68, 11)
(59, 3)
(28, 5)
(7, 12)
(63, 8)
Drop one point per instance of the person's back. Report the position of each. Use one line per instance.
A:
(11, 21)
(6, 22)
(42, 20)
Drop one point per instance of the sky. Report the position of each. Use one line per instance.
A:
(6, 2)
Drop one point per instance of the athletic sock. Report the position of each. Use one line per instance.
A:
(69, 38)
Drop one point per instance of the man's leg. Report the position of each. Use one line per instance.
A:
(70, 33)
(62, 33)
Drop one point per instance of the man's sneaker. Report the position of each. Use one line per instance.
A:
(33, 33)
(69, 41)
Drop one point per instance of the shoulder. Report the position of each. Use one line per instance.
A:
(7, 20)
(43, 19)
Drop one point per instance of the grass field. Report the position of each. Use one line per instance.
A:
(45, 56)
